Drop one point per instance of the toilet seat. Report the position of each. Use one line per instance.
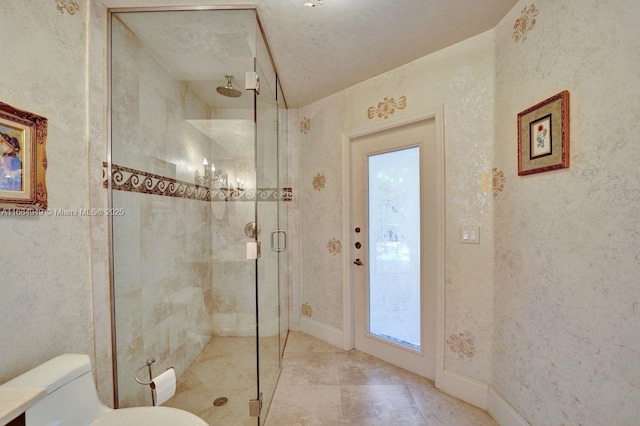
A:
(149, 416)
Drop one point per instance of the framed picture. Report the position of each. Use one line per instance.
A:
(543, 136)
(23, 160)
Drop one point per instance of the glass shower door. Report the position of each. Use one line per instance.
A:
(267, 200)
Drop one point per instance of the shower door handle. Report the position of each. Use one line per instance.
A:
(273, 244)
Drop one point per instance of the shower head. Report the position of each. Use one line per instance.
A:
(229, 91)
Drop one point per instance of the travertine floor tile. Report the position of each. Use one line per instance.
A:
(319, 385)
(306, 405)
(379, 405)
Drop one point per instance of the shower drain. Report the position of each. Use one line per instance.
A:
(219, 402)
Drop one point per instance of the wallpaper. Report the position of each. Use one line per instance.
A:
(566, 298)
(461, 79)
(321, 206)
(46, 261)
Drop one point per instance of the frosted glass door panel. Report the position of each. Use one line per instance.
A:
(394, 241)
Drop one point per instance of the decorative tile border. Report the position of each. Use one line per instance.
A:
(461, 345)
(525, 23)
(493, 182)
(69, 5)
(387, 107)
(132, 180)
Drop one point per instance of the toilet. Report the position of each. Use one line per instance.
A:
(71, 399)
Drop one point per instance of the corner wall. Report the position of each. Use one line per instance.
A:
(567, 266)
(460, 80)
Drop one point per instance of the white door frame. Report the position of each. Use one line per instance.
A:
(348, 289)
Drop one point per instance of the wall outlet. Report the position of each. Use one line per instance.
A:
(469, 235)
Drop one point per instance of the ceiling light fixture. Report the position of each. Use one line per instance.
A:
(314, 3)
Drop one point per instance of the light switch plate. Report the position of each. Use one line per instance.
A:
(469, 235)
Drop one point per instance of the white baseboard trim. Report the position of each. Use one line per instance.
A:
(481, 395)
(327, 334)
(464, 388)
(502, 412)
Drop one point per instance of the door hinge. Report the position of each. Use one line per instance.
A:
(252, 81)
(255, 405)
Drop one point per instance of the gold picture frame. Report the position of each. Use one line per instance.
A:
(23, 159)
(543, 136)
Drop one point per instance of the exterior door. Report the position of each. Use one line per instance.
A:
(395, 245)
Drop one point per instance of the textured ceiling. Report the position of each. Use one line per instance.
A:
(318, 51)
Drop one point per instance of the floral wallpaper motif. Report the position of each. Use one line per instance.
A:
(305, 125)
(387, 107)
(306, 310)
(334, 246)
(493, 182)
(525, 23)
(461, 345)
(319, 181)
(69, 5)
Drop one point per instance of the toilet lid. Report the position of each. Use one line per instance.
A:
(149, 416)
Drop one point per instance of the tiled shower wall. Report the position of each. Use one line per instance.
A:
(162, 245)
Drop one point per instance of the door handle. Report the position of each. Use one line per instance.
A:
(278, 249)
(358, 262)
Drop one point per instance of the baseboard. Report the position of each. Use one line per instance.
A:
(464, 388)
(480, 395)
(327, 334)
(502, 412)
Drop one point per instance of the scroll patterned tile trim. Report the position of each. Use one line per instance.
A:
(334, 246)
(69, 5)
(387, 107)
(319, 181)
(463, 346)
(306, 310)
(493, 182)
(525, 23)
(132, 180)
(305, 125)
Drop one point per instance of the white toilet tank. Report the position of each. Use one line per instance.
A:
(71, 398)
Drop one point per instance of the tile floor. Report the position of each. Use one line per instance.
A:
(323, 385)
(225, 368)
(319, 385)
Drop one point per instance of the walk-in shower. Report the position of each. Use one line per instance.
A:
(191, 170)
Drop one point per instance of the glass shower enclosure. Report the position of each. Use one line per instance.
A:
(196, 164)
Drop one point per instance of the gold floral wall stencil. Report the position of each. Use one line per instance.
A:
(525, 23)
(319, 181)
(461, 345)
(305, 125)
(387, 107)
(334, 246)
(69, 5)
(493, 182)
(306, 310)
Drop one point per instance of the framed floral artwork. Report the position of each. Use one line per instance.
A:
(23, 160)
(543, 136)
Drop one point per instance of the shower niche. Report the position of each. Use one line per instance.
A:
(194, 158)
